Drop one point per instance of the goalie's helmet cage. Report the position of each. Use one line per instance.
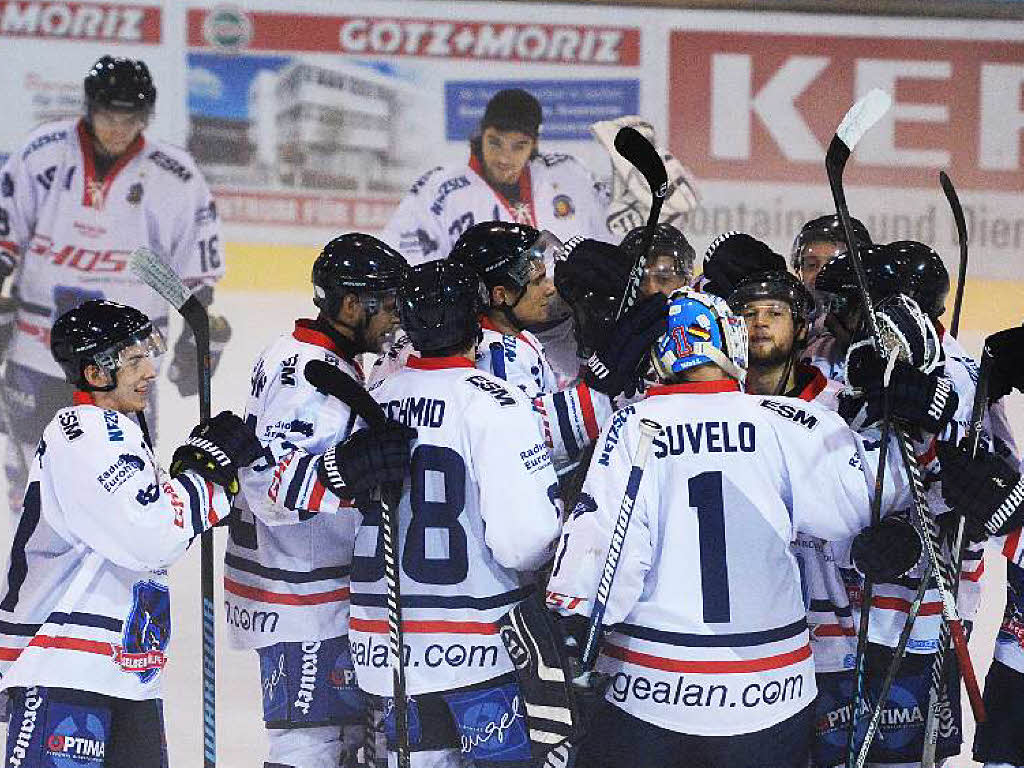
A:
(926, 277)
(825, 229)
(120, 83)
(666, 241)
(95, 333)
(356, 263)
(701, 329)
(439, 305)
(774, 284)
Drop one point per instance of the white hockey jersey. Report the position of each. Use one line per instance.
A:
(707, 625)
(286, 567)
(72, 234)
(570, 418)
(556, 193)
(86, 603)
(479, 513)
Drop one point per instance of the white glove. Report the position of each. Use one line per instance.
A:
(630, 196)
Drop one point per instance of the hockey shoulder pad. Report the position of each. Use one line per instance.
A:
(534, 643)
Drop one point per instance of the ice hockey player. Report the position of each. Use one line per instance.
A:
(286, 571)
(733, 660)
(818, 242)
(668, 264)
(506, 178)
(731, 257)
(85, 615)
(75, 200)
(479, 514)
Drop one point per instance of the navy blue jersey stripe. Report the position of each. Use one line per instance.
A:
(732, 640)
(298, 480)
(19, 630)
(564, 425)
(449, 601)
(282, 574)
(86, 620)
(195, 505)
(827, 606)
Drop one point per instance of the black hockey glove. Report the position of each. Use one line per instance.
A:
(217, 449)
(369, 458)
(591, 279)
(985, 489)
(923, 400)
(182, 370)
(617, 364)
(733, 256)
(588, 686)
(887, 550)
(1007, 372)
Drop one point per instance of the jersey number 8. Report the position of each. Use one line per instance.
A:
(434, 526)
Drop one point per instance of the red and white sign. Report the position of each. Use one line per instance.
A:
(764, 106)
(96, 22)
(431, 38)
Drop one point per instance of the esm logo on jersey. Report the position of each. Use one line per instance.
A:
(791, 412)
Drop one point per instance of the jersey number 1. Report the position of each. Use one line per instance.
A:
(706, 497)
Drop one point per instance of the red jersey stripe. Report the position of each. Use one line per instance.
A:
(708, 667)
(284, 598)
(380, 627)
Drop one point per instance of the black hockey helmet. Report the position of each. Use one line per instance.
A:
(666, 241)
(505, 253)
(836, 286)
(825, 229)
(439, 305)
(774, 284)
(95, 333)
(733, 256)
(120, 83)
(359, 264)
(513, 109)
(926, 279)
(591, 278)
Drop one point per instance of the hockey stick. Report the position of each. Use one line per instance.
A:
(649, 429)
(862, 115)
(148, 267)
(336, 383)
(958, 547)
(642, 155)
(894, 665)
(867, 596)
(961, 236)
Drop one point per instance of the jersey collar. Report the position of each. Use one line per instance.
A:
(695, 388)
(320, 334)
(517, 213)
(94, 191)
(83, 398)
(814, 386)
(438, 363)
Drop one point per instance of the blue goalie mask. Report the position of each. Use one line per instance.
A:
(701, 330)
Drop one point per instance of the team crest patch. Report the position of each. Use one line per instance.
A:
(146, 632)
(134, 194)
(563, 206)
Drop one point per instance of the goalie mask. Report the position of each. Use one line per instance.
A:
(701, 330)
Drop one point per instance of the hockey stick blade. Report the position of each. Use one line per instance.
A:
(961, 235)
(862, 115)
(335, 382)
(643, 156)
(148, 267)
